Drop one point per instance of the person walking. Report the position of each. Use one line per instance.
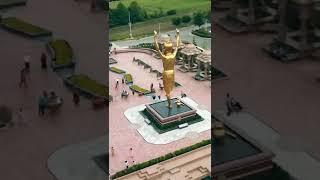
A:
(42, 103)
(27, 63)
(76, 98)
(23, 79)
(43, 60)
(21, 118)
(131, 153)
(122, 80)
(228, 104)
(126, 163)
(112, 151)
(117, 83)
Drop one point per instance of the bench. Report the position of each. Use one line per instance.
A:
(183, 125)
(147, 121)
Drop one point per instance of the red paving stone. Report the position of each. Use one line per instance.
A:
(284, 96)
(121, 135)
(25, 150)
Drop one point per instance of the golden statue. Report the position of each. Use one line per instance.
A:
(168, 56)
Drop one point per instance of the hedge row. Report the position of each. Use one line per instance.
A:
(173, 125)
(202, 33)
(116, 70)
(139, 89)
(144, 45)
(151, 162)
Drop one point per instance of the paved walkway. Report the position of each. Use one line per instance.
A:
(289, 153)
(150, 135)
(122, 134)
(75, 162)
(26, 149)
(185, 34)
(192, 165)
(285, 96)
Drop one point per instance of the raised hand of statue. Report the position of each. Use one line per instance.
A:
(177, 30)
(155, 33)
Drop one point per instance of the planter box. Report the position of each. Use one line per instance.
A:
(116, 70)
(83, 91)
(139, 90)
(18, 26)
(11, 3)
(53, 54)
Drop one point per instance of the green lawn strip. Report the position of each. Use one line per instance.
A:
(170, 126)
(11, 3)
(157, 160)
(144, 29)
(128, 78)
(202, 33)
(62, 51)
(21, 26)
(181, 6)
(117, 70)
(139, 89)
(87, 84)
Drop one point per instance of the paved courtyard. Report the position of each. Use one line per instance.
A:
(25, 150)
(122, 134)
(285, 96)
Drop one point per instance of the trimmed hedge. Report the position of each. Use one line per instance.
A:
(139, 89)
(154, 161)
(11, 3)
(144, 45)
(63, 54)
(162, 128)
(117, 70)
(20, 26)
(87, 84)
(171, 12)
(128, 78)
(202, 33)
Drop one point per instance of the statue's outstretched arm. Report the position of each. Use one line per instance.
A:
(156, 43)
(177, 43)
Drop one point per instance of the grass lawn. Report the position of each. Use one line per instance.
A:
(24, 27)
(63, 52)
(181, 6)
(146, 28)
(139, 89)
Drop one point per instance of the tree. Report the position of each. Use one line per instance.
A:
(136, 12)
(176, 21)
(186, 19)
(119, 16)
(198, 19)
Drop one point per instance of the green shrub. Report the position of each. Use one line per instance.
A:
(24, 27)
(186, 19)
(171, 12)
(116, 70)
(176, 21)
(63, 52)
(128, 78)
(86, 83)
(202, 33)
(159, 159)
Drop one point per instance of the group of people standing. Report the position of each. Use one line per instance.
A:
(25, 71)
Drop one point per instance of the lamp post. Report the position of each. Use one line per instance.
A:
(130, 27)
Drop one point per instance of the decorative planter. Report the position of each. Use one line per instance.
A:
(54, 66)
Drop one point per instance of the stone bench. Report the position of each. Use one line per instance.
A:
(147, 121)
(183, 125)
